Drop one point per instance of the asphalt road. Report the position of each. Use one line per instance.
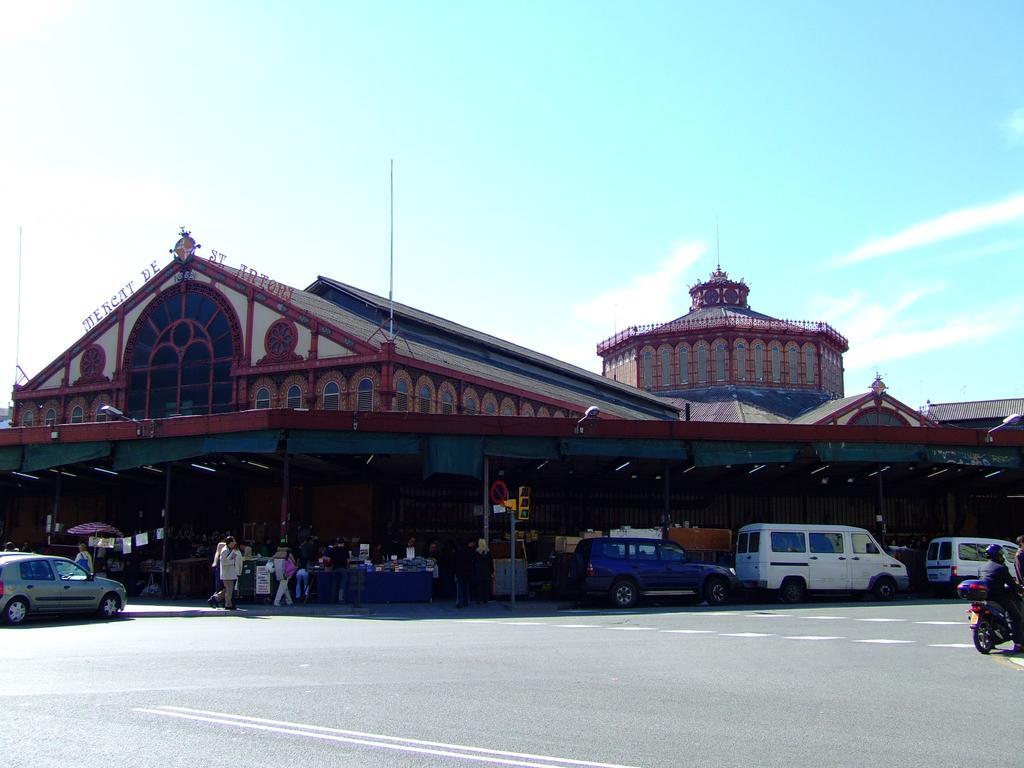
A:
(836, 684)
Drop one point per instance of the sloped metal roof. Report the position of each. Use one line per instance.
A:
(975, 410)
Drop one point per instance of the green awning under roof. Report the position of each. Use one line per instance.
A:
(323, 441)
(10, 457)
(45, 456)
(454, 455)
(868, 452)
(720, 454)
(1000, 458)
(522, 447)
(137, 453)
(674, 450)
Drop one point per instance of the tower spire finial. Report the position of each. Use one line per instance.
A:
(718, 245)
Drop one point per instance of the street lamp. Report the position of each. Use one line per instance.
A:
(590, 413)
(115, 413)
(1009, 421)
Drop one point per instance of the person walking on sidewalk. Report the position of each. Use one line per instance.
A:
(215, 573)
(284, 569)
(230, 569)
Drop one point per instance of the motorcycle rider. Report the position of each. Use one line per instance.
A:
(1002, 589)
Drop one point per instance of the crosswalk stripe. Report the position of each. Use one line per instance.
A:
(744, 634)
(884, 641)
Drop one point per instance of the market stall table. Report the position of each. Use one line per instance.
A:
(391, 586)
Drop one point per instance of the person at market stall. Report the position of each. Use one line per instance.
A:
(284, 569)
(339, 554)
(9, 546)
(230, 564)
(465, 571)
(215, 571)
(83, 559)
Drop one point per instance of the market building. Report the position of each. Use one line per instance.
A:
(213, 398)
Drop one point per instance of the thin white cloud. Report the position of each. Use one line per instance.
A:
(650, 298)
(945, 227)
(1013, 127)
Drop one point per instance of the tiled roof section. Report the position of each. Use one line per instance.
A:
(502, 362)
(825, 409)
(975, 410)
(707, 313)
(750, 405)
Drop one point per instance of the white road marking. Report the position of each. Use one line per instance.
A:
(714, 613)
(577, 626)
(688, 631)
(951, 645)
(766, 615)
(743, 634)
(523, 623)
(881, 619)
(883, 641)
(441, 749)
(944, 623)
(812, 637)
(633, 629)
(827, 618)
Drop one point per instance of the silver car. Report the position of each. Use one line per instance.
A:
(38, 584)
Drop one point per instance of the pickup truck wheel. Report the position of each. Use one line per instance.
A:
(624, 593)
(792, 590)
(716, 591)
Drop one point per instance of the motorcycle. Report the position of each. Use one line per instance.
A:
(989, 623)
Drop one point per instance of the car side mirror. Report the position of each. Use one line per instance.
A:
(90, 577)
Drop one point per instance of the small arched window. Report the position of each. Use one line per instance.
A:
(776, 365)
(470, 406)
(793, 361)
(100, 414)
(332, 396)
(263, 398)
(684, 364)
(28, 419)
(51, 417)
(77, 415)
(294, 396)
(364, 395)
(702, 364)
(447, 403)
(423, 403)
(666, 367)
(402, 396)
(759, 362)
(491, 408)
(508, 410)
(647, 374)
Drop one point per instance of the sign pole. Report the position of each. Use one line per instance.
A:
(512, 528)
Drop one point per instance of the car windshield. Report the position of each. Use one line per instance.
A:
(68, 571)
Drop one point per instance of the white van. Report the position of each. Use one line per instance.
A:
(796, 559)
(951, 559)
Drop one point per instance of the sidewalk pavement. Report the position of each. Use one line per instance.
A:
(150, 608)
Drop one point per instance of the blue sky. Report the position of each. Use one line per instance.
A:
(559, 167)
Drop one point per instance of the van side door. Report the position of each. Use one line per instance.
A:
(829, 563)
(643, 559)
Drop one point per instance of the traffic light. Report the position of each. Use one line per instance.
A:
(524, 502)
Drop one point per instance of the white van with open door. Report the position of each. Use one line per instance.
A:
(794, 559)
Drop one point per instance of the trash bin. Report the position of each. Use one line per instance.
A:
(326, 587)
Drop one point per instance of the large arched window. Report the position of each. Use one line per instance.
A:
(758, 362)
(447, 403)
(721, 359)
(423, 401)
(776, 364)
(180, 355)
(741, 361)
(684, 364)
(51, 417)
(332, 396)
(647, 372)
(666, 367)
(364, 395)
(702, 363)
(28, 419)
(793, 363)
(470, 407)
(294, 396)
(77, 415)
(809, 365)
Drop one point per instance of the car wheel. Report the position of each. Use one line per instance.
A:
(624, 594)
(983, 638)
(16, 612)
(792, 590)
(110, 605)
(716, 591)
(885, 589)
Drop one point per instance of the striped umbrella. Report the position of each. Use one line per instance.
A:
(94, 529)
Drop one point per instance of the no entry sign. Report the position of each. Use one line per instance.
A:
(499, 492)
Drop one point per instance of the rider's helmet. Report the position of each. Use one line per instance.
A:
(994, 552)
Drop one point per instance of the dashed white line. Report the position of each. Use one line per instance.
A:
(633, 629)
(827, 618)
(688, 631)
(812, 637)
(577, 626)
(950, 645)
(943, 623)
(523, 623)
(883, 641)
(881, 619)
(744, 634)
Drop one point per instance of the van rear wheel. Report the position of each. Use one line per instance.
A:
(792, 590)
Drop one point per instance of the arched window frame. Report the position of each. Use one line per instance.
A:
(647, 371)
(402, 396)
(666, 366)
(702, 363)
(793, 363)
(809, 358)
(262, 399)
(28, 417)
(759, 361)
(776, 353)
(77, 415)
(684, 364)
(741, 361)
(721, 362)
(332, 396)
(364, 394)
